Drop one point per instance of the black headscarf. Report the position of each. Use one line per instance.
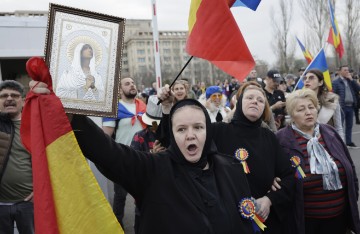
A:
(176, 155)
(240, 119)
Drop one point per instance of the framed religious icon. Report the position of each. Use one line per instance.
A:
(83, 51)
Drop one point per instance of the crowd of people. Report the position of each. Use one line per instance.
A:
(225, 158)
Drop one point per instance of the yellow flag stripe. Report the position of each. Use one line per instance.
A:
(192, 15)
(81, 207)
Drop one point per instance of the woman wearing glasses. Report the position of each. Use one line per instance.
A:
(330, 111)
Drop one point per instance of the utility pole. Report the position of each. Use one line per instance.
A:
(156, 44)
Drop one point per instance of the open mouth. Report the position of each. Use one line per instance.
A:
(9, 104)
(192, 149)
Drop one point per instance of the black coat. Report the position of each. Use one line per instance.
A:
(168, 199)
(266, 161)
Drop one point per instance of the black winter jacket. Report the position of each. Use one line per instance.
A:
(169, 201)
(7, 132)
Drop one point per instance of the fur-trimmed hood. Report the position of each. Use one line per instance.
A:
(329, 100)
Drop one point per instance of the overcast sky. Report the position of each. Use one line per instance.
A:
(173, 15)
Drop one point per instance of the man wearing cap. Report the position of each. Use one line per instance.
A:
(144, 140)
(276, 98)
(215, 104)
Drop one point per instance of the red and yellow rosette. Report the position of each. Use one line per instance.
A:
(295, 162)
(242, 154)
(247, 210)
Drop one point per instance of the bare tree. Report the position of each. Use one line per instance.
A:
(283, 44)
(316, 17)
(352, 32)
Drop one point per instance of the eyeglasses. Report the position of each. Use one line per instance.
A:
(311, 78)
(12, 95)
(215, 96)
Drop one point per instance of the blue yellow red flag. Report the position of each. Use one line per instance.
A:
(252, 4)
(305, 52)
(334, 34)
(319, 62)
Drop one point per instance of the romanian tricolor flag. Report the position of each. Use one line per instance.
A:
(334, 34)
(306, 53)
(215, 36)
(67, 198)
(252, 4)
(319, 62)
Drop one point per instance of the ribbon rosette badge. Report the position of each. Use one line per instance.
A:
(248, 211)
(242, 154)
(295, 162)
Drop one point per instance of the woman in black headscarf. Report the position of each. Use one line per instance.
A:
(260, 154)
(188, 188)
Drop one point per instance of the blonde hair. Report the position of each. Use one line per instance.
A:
(293, 98)
(181, 82)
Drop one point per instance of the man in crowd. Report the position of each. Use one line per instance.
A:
(153, 89)
(290, 82)
(123, 129)
(234, 85)
(254, 77)
(16, 185)
(347, 89)
(275, 97)
(300, 73)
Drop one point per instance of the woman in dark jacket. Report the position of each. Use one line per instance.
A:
(259, 152)
(188, 188)
(326, 185)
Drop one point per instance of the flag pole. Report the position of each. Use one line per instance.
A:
(172, 83)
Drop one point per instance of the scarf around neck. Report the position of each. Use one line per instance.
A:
(123, 113)
(320, 160)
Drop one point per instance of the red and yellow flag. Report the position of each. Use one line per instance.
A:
(67, 197)
(306, 53)
(215, 36)
(334, 34)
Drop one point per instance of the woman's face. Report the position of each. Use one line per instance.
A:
(179, 92)
(311, 81)
(189, 129)
(86, 52)
(304, 115)
(253, 104)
